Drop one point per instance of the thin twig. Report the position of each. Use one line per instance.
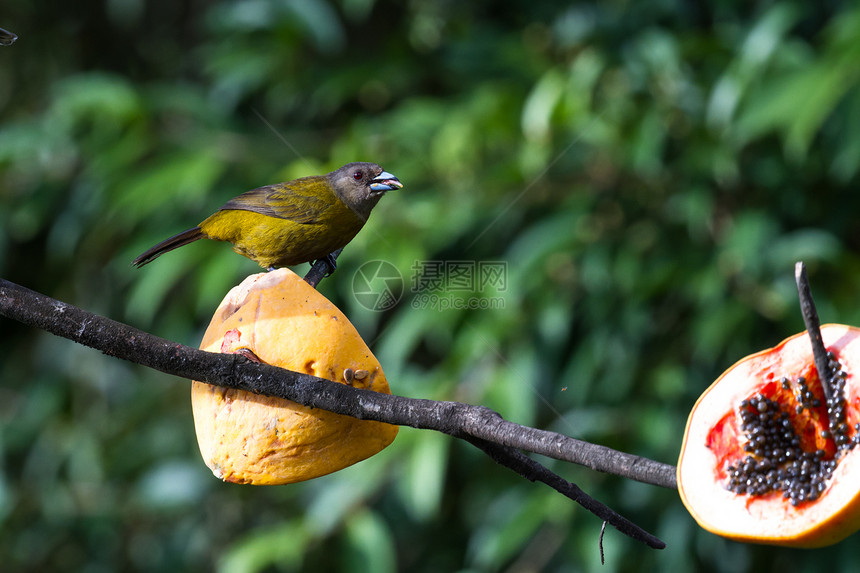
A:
(533, 471)
(7, 38)
(600, 543)
(813, 327)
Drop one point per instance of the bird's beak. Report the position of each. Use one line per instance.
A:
(385, 181)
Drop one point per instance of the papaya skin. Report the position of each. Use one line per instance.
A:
(769, 519)
(278, 319)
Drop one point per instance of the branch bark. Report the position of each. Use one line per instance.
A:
(477, 424)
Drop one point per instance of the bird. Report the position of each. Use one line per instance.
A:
(294, 222)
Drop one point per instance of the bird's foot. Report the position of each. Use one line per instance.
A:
(331, 262)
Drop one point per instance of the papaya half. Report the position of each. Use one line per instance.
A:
(279, 319)
(767, 458)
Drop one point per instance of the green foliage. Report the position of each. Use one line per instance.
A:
(649, 172)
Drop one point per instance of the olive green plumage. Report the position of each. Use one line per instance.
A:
(294, 222)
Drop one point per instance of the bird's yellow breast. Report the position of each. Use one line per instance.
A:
(276, 242)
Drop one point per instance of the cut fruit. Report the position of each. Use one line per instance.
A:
(279, 319)
(766, 458)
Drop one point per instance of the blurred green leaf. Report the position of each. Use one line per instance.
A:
(423, 480)
(281, 546)
(369, 545)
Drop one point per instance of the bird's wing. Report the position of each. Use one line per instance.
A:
(303, 201)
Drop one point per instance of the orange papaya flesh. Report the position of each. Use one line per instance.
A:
(278, 319)
(766, 458)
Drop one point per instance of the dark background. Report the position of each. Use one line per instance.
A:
(649, 171)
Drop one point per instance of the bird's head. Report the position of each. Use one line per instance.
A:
(361, 185)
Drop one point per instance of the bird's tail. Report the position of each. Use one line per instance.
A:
(173, 242)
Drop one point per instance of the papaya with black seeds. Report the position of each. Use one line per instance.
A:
(767, 458)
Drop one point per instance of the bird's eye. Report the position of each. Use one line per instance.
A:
(357, 175)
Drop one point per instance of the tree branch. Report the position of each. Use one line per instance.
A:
(481, 426)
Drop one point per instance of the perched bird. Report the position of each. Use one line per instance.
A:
(294, 222)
